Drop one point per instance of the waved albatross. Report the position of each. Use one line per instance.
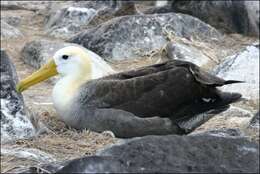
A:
(154, 99)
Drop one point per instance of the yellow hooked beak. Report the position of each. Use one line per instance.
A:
(45, 72)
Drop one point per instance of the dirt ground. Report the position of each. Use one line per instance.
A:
(61, 142)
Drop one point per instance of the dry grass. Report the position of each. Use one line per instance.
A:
(65, 145)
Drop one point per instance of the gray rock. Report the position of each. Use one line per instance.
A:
(234, 118)
(174, 154)
(159, 9)
(24, 5)
(67, 21)
(122, 8)
(252, 129)
(223, 132)
(47, 167)
(28, 153)
(243, 66)
(254, 123)
(137, 35)
(12, 20)
(38, 52)
(126, 8)
(164, 3)
(98, 4)
(185, 52)
(8, 31)
(234, 111)
(252, 8)
(229, 16)
(14, 122)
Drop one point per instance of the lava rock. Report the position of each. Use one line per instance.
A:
(38, 52)
(174, 154)
(67, 21)
(134, 36)
(24, 5)
(159, 9)
(126, 8)
(28, 153)
(12, 20)
(8, 31)
(222, 132)
(71, 18)
(253, 128)
(122, 8)
(229, 16)
(243, 66)
(235, 118)
(185, 52)
(255, 121)
(14, 122)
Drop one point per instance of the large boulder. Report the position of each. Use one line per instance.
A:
(181, 51)
(254, 122)
(233, 118)
(69, 18)
(14, 122)
(243, 66)
(12, 20)
(8, 31)
(137, 35)
(28, 153)
(24, 156)
(24, 5)
(241, 119)
(221, 132)
(230, 16)
(253, 127)
(38, 52)
(67, 21)
(174, 154)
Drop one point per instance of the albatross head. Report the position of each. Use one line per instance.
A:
(71, 62)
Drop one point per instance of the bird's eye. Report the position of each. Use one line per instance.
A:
(65, 57)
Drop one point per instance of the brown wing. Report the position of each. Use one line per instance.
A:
(200, 75)
(158, 90)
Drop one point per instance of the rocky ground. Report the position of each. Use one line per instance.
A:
(58, 22)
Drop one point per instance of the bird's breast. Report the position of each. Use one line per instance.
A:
(63, 95)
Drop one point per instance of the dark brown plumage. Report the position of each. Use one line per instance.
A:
(177, 90)
(162, 90)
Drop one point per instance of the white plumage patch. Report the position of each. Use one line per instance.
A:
(99, 67)
(79, 66)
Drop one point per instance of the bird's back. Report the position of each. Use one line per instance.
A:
(172, 89)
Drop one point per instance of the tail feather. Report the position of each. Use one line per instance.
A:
(221, 100)
(233, 81)
(197, 113)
